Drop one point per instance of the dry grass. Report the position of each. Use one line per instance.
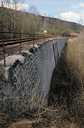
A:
(75, 59)
(75, 53)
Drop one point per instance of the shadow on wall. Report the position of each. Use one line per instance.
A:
(65, 87)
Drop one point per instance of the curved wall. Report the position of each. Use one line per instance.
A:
(28, 83)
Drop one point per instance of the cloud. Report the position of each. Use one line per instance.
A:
(82, 5)
(33, 9)
(44, 14)
(22, 6)
(72, 16)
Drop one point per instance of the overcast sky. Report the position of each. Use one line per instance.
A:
(70, 10)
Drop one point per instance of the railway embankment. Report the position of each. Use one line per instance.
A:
(41, 80)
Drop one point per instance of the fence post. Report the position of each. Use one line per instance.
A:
(20, 44)
(57, 50)
(33, 37)
(4, 54)
(54, 53)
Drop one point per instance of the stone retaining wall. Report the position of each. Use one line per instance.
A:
(28, 83)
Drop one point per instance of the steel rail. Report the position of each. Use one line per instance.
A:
(19, 40)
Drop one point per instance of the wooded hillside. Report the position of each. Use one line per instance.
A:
(17, 23)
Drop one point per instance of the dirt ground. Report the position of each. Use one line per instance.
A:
(45, 123)
(51, 118)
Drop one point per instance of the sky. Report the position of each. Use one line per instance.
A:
(69, 10)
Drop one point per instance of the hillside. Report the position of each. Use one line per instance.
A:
(20, 22)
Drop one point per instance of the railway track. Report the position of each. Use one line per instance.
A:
(18, 40)
(15, 46)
